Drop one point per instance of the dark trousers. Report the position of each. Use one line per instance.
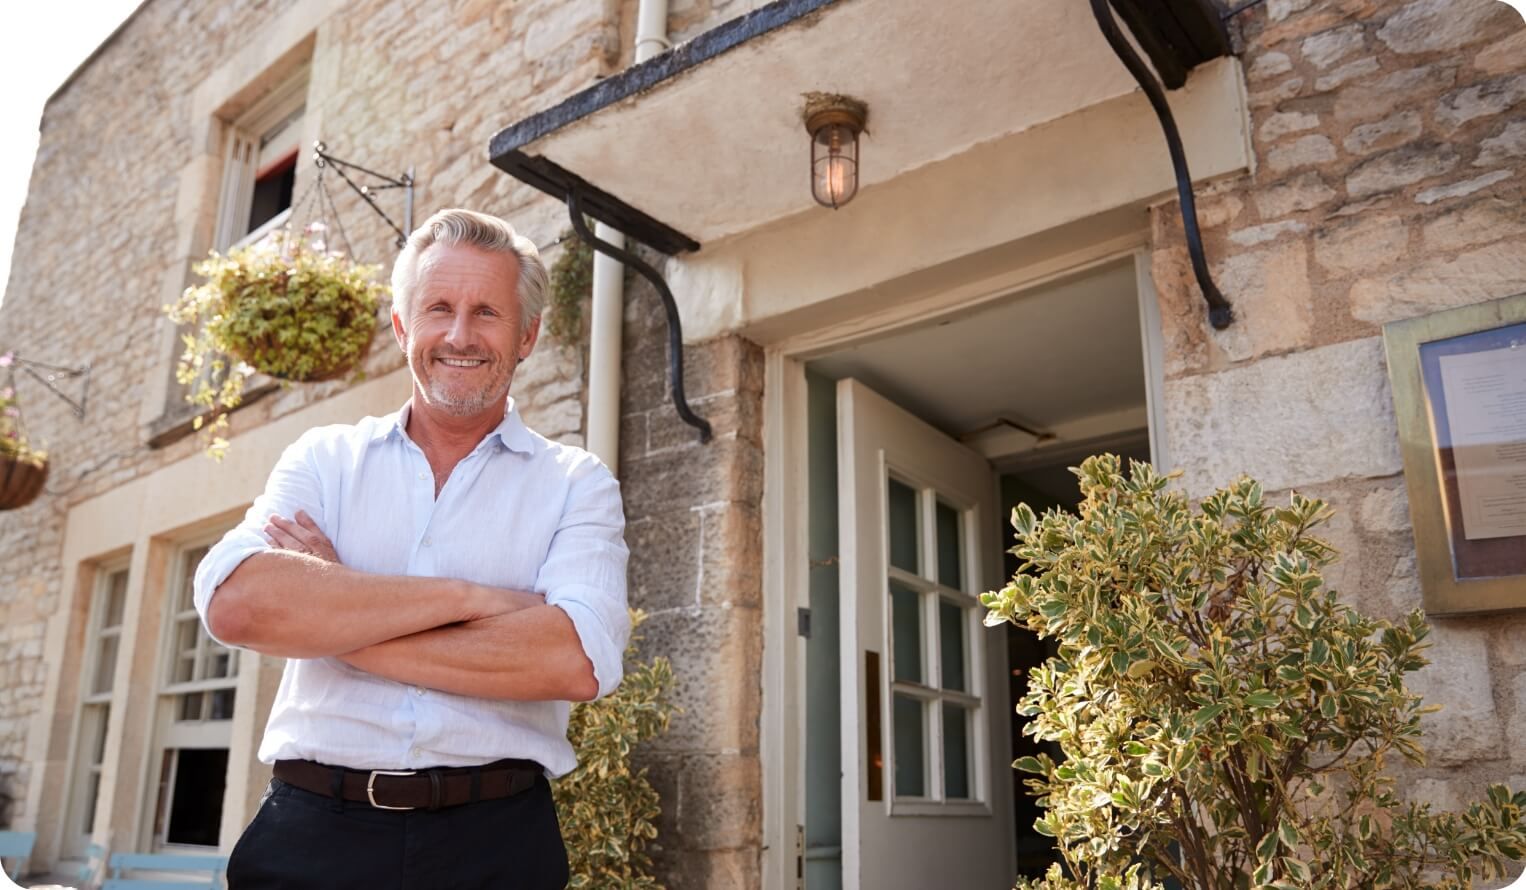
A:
(303, 840)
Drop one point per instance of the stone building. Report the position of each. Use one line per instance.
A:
(1010, 290)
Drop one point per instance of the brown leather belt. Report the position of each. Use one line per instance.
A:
(425, 789)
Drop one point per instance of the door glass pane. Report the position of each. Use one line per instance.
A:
(196, 801)
(99, 717)
(906, 633)
(222, 704)
(951, 621)
(220, 662)
(189, 706)
(949, 549)
(956, 752)
(92, 793)
(903, 527)
(187, 598)
(910, 747)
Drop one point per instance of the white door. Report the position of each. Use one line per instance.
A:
(925, 748)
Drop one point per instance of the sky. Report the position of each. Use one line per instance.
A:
(40, 45)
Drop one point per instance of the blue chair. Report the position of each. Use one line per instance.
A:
(17, 845)
(213, 866)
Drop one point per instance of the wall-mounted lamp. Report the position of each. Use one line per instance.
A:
(834, 123)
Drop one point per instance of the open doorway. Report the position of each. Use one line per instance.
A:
(907, 773)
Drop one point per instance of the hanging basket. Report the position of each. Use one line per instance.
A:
(258, 354)
(21, 481)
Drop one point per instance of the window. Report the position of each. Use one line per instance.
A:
(103, 634)
(196, 697)
(934, 621)
(260, 169)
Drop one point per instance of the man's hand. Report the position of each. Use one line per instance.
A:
(301, 536)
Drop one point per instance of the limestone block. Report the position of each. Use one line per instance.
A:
(1269, 64)
(1346, 73)
(1484, 220)
(555, 419)
(1281, 124)
(1309, 150)
(1268, 232)
(722, 798)
(1480, 100)
(1473, 277)
(1277, 10)
(665, 560)
(1290, 421)
(1509, 642)
(557, 24)
(1426, 26)
(1304, 192)
(1462, 189)
(1277, 94)
(1362, 244)
(723, 470)
(1403, 88)
(1468, 727)
(1384, 134)
(731, 555)
(1510, 143)
(1506, 54)
(1328, 47)
(1439, 793)
(1401, 167)
(1270, 292)
(1386, 510)
(1517, 730)
(717, 656)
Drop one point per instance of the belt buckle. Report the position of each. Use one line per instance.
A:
(371, 786)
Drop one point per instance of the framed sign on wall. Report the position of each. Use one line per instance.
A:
(1459, 385)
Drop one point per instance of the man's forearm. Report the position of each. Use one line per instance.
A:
(533, 654)
(297, 606)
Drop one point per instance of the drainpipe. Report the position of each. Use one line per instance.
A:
(609, 287)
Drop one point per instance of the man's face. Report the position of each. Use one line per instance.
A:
(463, 335)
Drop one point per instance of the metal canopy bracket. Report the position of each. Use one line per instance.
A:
(575, 201)
(1176, 34)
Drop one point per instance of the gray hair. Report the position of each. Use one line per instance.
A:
(457, 228)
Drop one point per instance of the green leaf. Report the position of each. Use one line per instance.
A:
(1206, 715)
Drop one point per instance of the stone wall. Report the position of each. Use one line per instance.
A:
(1390, 139)
(393, 84)
(696, 567)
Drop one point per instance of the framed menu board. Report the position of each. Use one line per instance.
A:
(1459, 384)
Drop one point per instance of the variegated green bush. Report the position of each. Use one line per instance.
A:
(1225, 719)
(608, 810)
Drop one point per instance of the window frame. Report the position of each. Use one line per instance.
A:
(92, 717)
(931, 594)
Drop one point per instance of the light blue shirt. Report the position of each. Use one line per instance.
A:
(519, 512)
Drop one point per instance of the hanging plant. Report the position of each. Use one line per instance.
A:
(571, 286)
(23, 469)
(287, 308)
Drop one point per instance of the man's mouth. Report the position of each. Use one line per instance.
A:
(462, 362)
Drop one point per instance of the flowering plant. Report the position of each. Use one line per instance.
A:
(286, 307)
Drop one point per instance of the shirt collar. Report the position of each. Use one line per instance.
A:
(512, 431)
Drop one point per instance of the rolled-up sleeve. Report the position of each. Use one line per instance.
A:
(584, 571)
(293, 485)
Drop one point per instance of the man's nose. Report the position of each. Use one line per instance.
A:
(460, 333)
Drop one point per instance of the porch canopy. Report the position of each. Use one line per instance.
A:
(707, 141)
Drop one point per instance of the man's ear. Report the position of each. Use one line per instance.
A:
(399, 331)
(527, 342)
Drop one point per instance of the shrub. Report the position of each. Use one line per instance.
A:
(607, 809)
(1225, 719)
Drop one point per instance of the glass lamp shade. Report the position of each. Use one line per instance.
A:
(834, 164)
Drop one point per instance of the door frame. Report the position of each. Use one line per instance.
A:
(785, 501)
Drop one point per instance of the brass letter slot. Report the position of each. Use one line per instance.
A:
(876, 777)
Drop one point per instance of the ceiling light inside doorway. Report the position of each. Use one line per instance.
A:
(834, 123)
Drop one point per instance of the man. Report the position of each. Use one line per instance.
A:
(443, 582)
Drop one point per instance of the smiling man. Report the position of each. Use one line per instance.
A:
(443, 582)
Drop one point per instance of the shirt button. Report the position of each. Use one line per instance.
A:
(415, 753)
(423, 476)
(427, 541)
(418, 690)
